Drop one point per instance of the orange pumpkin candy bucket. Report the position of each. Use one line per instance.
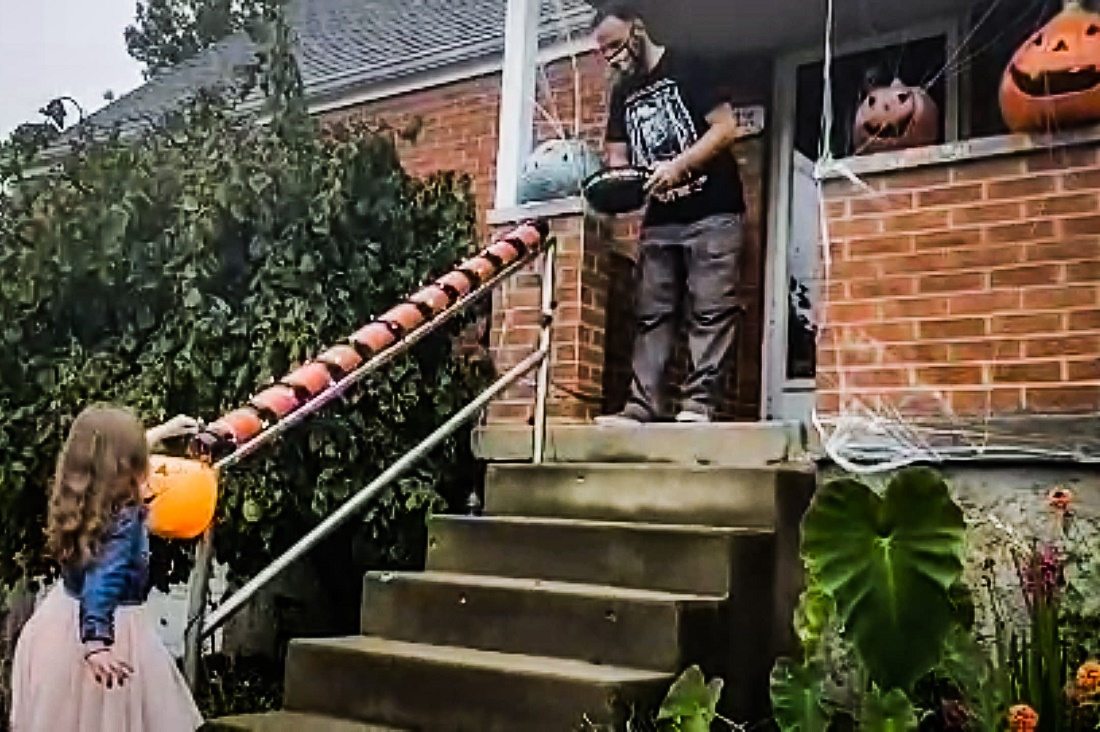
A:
(182, 497)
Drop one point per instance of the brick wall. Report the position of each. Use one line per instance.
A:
(966, 289)
(592, 345)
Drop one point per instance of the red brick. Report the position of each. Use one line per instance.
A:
(984, 257)
(954, 239)
(952, 328)
(855, 227)
(1061, 158)
(835, 290)
(1022, 188)
(985, 303)
(1084, 320)
(1063, 400)
(1026, 373)
(1009, 167)
(985, 350)
(923, 221)
(1015, 233)
(1028, 323)
(987, 401)
(950, 375)
(828, 402)
(836, 209)
(881, 203)
(877, 246)
(876, 378)
(1081, 203)
(1049, 298)
(885, 287)
(898, 332)
(1080, 225)
(1039, 275)
(1075, 345)
(852, 356)
(855, 312)
(1087, 370)
(916, 353)
(1083, 271)
(989, 213)
(952, 282)
(950, 196)
(914, 307)
(1064, 250)
(1081, 179)
(853, 269)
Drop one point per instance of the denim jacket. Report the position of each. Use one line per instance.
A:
(118, 575)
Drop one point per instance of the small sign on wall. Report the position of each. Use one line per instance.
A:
(749, 120)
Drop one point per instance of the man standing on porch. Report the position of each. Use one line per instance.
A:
(667, 115)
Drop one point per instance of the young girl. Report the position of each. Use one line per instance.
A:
(89, 659)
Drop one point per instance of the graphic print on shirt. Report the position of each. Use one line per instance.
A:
(660, 128)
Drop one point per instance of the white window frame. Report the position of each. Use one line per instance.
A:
(784, 398)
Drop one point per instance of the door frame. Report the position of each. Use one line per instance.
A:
(777, 390)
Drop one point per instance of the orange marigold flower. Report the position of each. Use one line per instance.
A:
(1059, 498)
(1022, 718)
(1088, 678)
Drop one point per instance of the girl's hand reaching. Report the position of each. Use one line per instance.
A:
(106, 667)
(178, 426)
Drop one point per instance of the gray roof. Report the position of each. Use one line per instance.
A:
(346, 45)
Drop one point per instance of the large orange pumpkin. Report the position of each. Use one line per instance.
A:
(1053, 80)
(182, 497)
(895, 117)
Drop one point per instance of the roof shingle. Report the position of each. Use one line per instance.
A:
(350, 44)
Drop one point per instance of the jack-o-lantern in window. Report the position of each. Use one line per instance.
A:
(1053, 80)
(895, 117)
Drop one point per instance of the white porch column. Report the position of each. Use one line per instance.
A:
(517, 97)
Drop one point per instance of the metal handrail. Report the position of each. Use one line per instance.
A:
(241, 597)
(199, 626)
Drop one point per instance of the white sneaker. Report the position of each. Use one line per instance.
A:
(689, 417)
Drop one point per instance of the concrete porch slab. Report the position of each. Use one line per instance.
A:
(722, 444)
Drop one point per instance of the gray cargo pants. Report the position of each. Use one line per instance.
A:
(687, 270)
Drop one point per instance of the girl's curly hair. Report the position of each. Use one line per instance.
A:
(101, 469)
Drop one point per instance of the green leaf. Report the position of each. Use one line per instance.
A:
(888, 562)
(812, 616)
(252, 511)
(692, 701)
(797, 694)
(893, 712)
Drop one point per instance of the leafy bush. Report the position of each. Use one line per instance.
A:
(179, 270)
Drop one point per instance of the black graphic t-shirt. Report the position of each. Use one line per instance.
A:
(662, 115)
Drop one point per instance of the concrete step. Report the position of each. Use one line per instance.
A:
(727, 444)
(671, 494)
(667, 558)
(594, 623)
(289, 722)
(445, 689)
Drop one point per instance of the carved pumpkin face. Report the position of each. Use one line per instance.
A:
(1053, 80)
(895, 117)
(182, 496)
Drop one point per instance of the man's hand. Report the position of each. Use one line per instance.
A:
(668, 174)
(176, 427)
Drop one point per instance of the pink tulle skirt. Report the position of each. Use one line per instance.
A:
(54, 691)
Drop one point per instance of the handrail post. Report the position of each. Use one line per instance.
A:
(542, 384)
(197, 596)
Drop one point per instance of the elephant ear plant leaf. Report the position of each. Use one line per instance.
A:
(892, 712)
(692, 703)
(797, 692)
(889, 563)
